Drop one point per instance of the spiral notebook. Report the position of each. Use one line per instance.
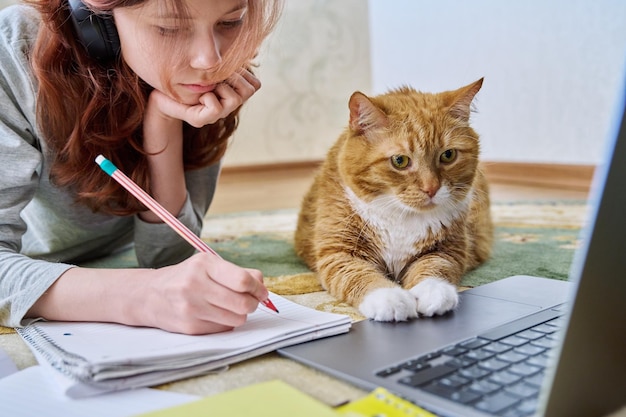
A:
(92, 358)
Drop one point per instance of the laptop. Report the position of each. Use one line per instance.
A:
(520, 346)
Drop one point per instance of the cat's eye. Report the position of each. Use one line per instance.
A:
(400, 161)
(448, 156)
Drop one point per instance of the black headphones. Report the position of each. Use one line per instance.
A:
(97, 33)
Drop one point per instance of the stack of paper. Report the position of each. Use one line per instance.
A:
(102, 357)
(31, 392)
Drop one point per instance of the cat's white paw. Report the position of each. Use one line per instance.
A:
(389, 304)
(435, 296)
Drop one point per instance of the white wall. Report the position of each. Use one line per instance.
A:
(317, 57)
(553, 69)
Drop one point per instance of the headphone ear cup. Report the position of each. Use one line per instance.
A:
(97, 34)
(111, 38)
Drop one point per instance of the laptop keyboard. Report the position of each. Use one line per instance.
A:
(499, 372)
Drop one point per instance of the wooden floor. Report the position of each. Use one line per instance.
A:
(284, 187)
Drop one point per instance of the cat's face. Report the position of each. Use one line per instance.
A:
(411, 149)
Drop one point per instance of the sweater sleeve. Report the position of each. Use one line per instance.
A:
(22, 279)
(157, 244)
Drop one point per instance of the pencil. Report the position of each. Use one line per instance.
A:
(199, 244)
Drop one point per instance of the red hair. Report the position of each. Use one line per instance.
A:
(85, 109)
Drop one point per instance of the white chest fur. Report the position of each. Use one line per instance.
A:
(399, 227)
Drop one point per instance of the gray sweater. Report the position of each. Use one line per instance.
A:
(43, 232)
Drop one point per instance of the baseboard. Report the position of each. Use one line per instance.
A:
(285, 167)
(563, 176)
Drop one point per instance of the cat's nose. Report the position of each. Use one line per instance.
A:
(430, 189)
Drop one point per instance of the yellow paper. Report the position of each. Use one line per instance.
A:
(272, 399)
(381, 403)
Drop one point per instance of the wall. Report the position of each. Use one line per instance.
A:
(317, 57)
(553, 70)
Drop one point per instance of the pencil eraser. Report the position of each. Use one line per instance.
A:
(106, 165)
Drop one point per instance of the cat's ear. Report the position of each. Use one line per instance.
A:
(364, 115)
(462, 100)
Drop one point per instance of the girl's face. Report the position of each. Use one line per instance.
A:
(201, 38)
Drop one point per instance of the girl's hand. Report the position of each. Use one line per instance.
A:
(204, 294)
(227, 97)
(162, 134)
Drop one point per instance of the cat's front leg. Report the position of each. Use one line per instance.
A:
(389, 304)
(435, 296)
(361, 284)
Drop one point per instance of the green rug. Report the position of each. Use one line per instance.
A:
(531, 238)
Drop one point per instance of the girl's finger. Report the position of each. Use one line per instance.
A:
(228, 97)
(217, 295)
(243, 84)
(238, 279)
(255, 273)
(252, 79)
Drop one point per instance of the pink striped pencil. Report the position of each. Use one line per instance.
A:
(200, 245)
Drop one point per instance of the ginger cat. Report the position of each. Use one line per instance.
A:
(399, 210)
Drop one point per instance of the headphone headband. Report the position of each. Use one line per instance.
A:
(96, 33)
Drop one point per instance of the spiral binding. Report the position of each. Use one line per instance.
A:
(69, 364)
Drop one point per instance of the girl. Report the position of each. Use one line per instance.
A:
(155, 86)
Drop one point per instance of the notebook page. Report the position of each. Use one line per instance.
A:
(77, 389)
(108, 343)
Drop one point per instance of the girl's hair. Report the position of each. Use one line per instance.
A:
(85, 109)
